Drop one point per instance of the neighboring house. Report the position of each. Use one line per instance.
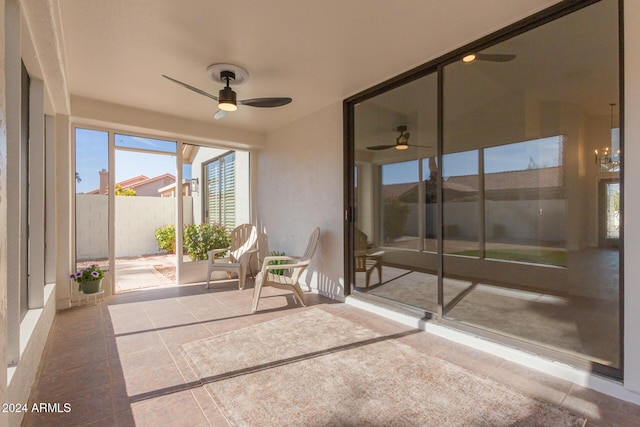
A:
(141, 184)
(170, 190)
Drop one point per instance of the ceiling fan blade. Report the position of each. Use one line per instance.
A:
(495, 57)
(220, 114)
(195, 89)
(381, 147)
(265, 102)
(421, 146)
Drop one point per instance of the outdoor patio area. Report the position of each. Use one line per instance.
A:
(129, 361)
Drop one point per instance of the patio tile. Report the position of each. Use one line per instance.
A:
(183, 365)
(126, 368)
(70, 382)
(177, 409)
(173, 337)
(478, 362)
(140, 362)
(209, 407)
(159, 380)
(530, 382)
(133, 342)
(121, 326)
(600, 409)
(86, 407)
(70, 359)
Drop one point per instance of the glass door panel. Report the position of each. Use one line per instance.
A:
(145, 213)
(395, 230)
(533, 271)
(92, 203)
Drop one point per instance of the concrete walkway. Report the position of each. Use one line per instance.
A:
(141, 273)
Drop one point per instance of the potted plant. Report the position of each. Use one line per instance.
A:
(89, 279)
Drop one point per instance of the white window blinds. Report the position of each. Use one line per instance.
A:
(220, 199)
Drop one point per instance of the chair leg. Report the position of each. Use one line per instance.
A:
(208, 277)
(242, 273)
(256, 294)
(298, 292)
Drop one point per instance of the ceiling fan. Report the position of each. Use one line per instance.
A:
(402, 141)
(491, 57)
(227, 101)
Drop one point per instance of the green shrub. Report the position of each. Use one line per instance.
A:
(199, 239)
(166, 238)
(276, 262)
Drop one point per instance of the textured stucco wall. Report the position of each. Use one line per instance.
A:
(299, 188)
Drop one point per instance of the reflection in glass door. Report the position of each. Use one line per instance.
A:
(395, 193)
(609, 212)
(494, 220)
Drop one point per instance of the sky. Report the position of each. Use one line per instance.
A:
(545, 152)
(92, 156)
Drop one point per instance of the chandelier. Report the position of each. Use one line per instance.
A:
(608, 157)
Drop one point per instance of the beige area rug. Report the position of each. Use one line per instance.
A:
(313, 368)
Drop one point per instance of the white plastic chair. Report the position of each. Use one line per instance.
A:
(294, 265)
(243, 242)
(364, 261)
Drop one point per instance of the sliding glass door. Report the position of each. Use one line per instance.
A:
(487, 188)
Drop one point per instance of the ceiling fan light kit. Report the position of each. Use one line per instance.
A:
(227, 100)
(491, 57)
(469, 58)
(402, 141)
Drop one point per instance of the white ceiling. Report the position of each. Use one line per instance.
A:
(316, 51)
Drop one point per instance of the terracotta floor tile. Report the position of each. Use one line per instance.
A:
(478, 362)
(157, 381)
(141, 362)
(532, 382)
(85, 408)
(71, 358)
(72, 382)
(173, 337)
(133, 342)
(120, 363)
(600, 409)
(176, 409)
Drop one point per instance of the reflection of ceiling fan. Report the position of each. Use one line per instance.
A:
(402, 141)
(492, 57)
(228, 74)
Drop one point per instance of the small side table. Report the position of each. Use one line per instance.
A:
(87, 297)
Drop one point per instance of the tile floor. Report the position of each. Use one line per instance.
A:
(118, 363)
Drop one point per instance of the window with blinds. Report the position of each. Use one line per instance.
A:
(220, 195)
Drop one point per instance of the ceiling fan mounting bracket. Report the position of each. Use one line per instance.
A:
(220, 72)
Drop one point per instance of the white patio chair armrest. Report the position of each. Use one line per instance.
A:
(266, 266)
(247, 255)
(287, 266)
(213, 252)
(375, 254)
(279, 258)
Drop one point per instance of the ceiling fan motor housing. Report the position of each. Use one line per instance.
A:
(227, 76)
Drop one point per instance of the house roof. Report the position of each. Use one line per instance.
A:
(138, 181)
(147, 181)
(527, 179)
